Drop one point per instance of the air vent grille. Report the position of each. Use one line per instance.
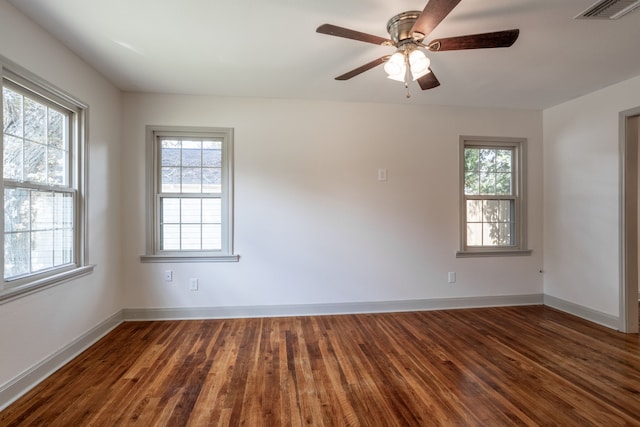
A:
(609, 9)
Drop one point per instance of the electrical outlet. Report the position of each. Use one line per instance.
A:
(451, 277)
(168, 275)
(193, 284)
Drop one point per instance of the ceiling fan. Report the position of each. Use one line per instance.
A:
(408, 31)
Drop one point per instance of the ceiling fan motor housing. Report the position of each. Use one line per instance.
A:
(399, 27)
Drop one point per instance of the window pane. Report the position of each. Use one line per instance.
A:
(191, 180)
(494, 174)
(474, 234)
(474, 210)
(191, 153)
(63, 247)
(12, 158)
(490, 210)
(190, 211)
(170, 239)
(471, 183)
(41, 250)
(190, 238)
(57, 166)
(471, 158)
(487, 183)
(16, 210)
(35, 121)
(57, 129)
(35, 164)
(503, 183)
(212, 154)
(63, 211)
(503, 160)
(505, 210)
(170, 180)
(212, 211)
(490, 234)
(211, 180)
(12, 112)
(212, 237)
(170, 152)
(39, 230)
(191, 224)
(487, 160)
(41, 210)
(504, 234)
(17, 259)
(170, 211)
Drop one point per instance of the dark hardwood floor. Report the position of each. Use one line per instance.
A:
(481, 367)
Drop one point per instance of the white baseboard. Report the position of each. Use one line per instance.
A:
(327, 309)
(595, 316)
(24, 382)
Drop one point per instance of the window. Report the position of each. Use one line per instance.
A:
(492, 195)
(42, 183)
(190, 216)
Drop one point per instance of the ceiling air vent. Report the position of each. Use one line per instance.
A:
(609, 9)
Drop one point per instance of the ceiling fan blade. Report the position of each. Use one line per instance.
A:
(428, 81)
(434, 12)
(363, 68)
(334, 30)
(476, 41)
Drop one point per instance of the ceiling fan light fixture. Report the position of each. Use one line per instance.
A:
(395, 67)
(419, 64)
(397, 77)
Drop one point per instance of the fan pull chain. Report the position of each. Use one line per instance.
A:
(406, 73)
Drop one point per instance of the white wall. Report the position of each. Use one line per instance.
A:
(581, 187)
(34, 327)
(312, 223)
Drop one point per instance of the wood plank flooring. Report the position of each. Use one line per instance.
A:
(482, 367)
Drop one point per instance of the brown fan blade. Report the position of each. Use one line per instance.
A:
(334, 30)
(476, 41)
(434, 12)
(428, 81)
(363, 68)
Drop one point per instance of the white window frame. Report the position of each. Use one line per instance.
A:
(518, 145)
(154, 253)
(20, 78)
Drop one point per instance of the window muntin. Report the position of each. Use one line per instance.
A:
(191, 180)
(43, 178)
(492, 210)
(490, 199)
(38, 202)
(190, 205)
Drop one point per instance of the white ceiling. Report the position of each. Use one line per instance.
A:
(269, 48)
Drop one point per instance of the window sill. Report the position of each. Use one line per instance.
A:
(493, 253)
(189, 258)
(25, 289)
